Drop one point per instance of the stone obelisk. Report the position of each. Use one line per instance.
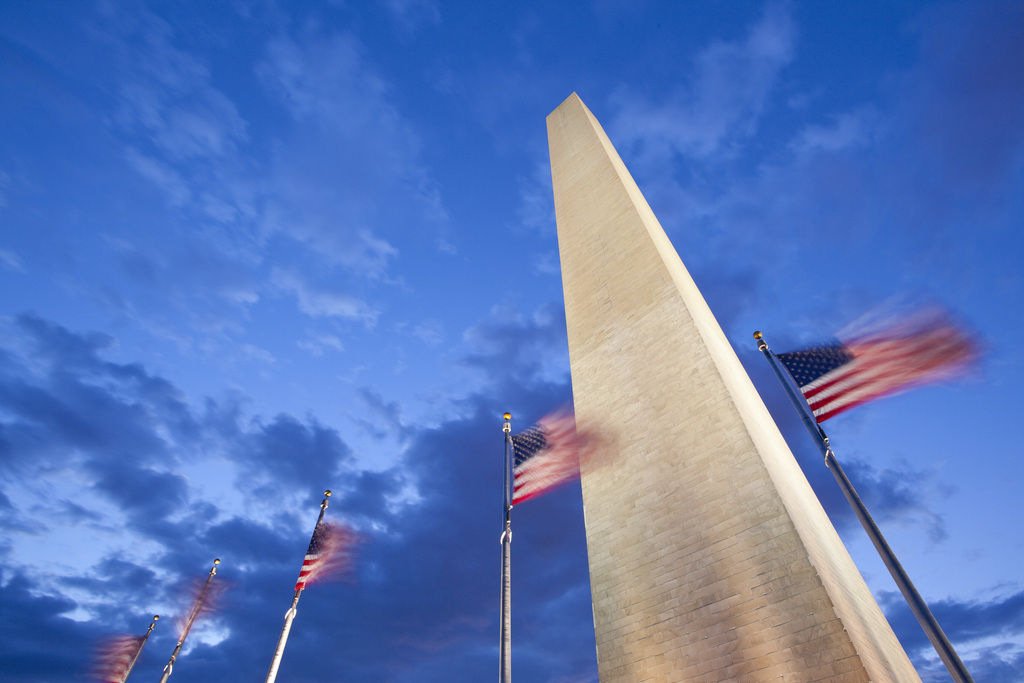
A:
(710, 556)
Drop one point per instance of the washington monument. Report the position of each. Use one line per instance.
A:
(710, 557)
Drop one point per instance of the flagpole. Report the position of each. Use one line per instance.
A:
(505, 654)
(917, 604)
(131, 665)
(289, 616)
(188, 624)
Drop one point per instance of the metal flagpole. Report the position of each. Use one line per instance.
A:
(156, 618)
(505, 656)
(188, 624)
(289, 616)
(917, 604)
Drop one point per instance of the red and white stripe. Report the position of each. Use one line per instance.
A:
(333, 555)
(115, 656)
(887, 364)
(557, 464)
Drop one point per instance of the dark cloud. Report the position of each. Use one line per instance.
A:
(83, 404)
(424, 597)
(522, 349)
(422, 600)
(286, 451)
(144, 494)
(31, 626)
(965, 624)
(387, 416)
(247, 542)
(962, 621)
(372, 498)
(998, 664)
(966, 93)
(115, 577)
(76, 514)
(897, 494)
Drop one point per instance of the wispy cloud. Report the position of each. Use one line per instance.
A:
(411, 14)
(348, 156)
(318, 344)
(318, 303)
(720, 105)
(169, 97)
(10, 261)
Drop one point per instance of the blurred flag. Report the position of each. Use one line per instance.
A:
(204, 602)
(546, 456)
(925, 347)
(206, 599)
(115, 656)
(328, 553)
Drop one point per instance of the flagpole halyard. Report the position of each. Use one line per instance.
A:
(196, 608)
(289, 616)
(505, 656)
(910, 593)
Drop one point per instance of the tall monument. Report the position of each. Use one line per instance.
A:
(710, 556)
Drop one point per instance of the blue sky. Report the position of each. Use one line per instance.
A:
(253, 250)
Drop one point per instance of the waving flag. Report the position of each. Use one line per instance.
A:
(546, 456)
(924, 348)
(116, 656)
(204, 602)
(328, 553)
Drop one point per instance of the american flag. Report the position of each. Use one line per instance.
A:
(546, 456)
(923, 348)
(328, 553)
(115, 656)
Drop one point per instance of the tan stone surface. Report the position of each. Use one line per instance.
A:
(710, 557)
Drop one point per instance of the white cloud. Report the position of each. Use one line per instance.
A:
(430, 331)
(722, 102)
(251, 352)
(849, 130)
(316, 344)
(10, 261)
(173, 185)
(168, 95)
(411, 14)
(320, 303)
(347, 174)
